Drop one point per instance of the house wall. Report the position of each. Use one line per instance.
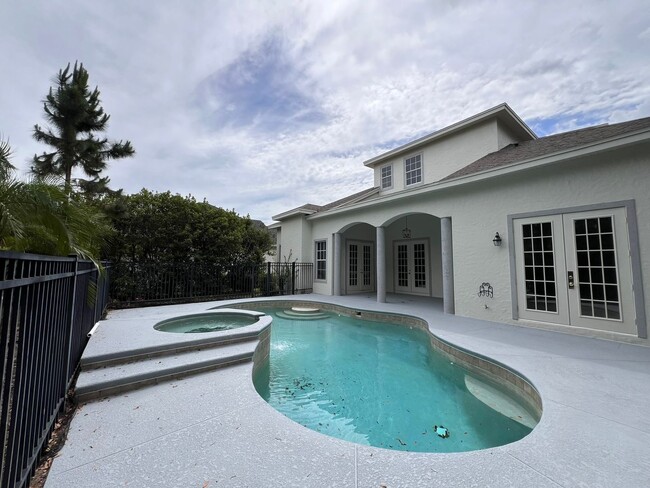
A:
(585, 181)
(505, 135)
(480, 209)
(295, 240)
(449, 154)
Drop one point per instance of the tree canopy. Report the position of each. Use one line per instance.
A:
(76, 115)
(162, 228)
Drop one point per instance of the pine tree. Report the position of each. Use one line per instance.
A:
(75, 115)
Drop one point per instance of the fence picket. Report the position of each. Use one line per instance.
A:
(44, 320)
(135, 284)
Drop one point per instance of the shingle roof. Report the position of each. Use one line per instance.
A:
(544, 146)
(350, 198)
(310, 208)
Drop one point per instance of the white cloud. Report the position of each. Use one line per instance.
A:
(365, 73)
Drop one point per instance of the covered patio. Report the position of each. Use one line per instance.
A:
(395, 257)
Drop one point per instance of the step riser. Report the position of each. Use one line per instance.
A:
(132, 383)
(154, 353)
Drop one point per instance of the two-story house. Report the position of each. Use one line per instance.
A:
(550, 232)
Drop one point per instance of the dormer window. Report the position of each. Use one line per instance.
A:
(413, 169)
(387, 177)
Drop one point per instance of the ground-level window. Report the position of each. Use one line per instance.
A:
(413, 168)
(387, 177)
(321, 260)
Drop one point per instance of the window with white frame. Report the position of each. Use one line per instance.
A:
(387, 177)
(413, 169)
(321, 260)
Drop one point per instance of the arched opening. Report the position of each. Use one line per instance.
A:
(402, 255)
(357, 263)
(413, 256)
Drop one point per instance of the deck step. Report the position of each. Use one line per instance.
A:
(142, 371)
(142, 353)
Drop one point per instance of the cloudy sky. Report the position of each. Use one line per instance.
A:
(260, 106)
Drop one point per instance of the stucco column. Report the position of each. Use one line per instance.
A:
(447, 265)
(336, 272)
(381, 266)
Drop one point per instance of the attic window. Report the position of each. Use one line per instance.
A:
(387, 177)
(413, 168)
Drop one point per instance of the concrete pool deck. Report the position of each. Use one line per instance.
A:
(213, 429)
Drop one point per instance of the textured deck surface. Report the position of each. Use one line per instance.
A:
(213, 430)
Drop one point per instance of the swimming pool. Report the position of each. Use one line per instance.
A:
(381, 384)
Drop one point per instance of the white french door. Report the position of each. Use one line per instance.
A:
(575, 269)
(360, 265)
(411, 266)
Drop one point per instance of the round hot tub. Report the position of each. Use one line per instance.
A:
(214, 321)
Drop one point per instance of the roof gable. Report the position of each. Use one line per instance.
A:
(544, 146)
(501, 112)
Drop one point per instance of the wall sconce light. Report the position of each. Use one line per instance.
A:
(497, 240)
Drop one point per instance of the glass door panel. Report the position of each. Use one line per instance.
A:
(360, 266)
(411, 266)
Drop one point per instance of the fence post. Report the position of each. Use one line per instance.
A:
(252, 281)
(293, 278)
(97, 294)
(268, 279)
(72, 301)
(191, 281)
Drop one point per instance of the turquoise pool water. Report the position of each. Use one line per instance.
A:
(207, 322)
(383, 385)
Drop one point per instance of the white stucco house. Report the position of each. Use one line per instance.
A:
(571, 210)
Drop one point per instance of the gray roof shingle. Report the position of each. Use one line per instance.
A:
(515, 153)
(350, 198)
(311, 208)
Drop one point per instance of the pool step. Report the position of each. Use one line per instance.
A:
(146, 370)
(298, 314)
(500, 401)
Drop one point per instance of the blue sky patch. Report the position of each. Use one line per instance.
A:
(566, 122)
(262, 88)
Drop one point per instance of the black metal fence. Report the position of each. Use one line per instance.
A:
(47, 307)
(134, 284)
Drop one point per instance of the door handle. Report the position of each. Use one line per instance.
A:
(570, 279)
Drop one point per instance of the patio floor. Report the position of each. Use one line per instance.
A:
(213, 430)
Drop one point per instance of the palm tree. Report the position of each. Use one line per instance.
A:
(5, 154)
(75, 115)
(38, 216)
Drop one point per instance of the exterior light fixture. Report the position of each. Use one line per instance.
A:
(406, 232)
(497, 240)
